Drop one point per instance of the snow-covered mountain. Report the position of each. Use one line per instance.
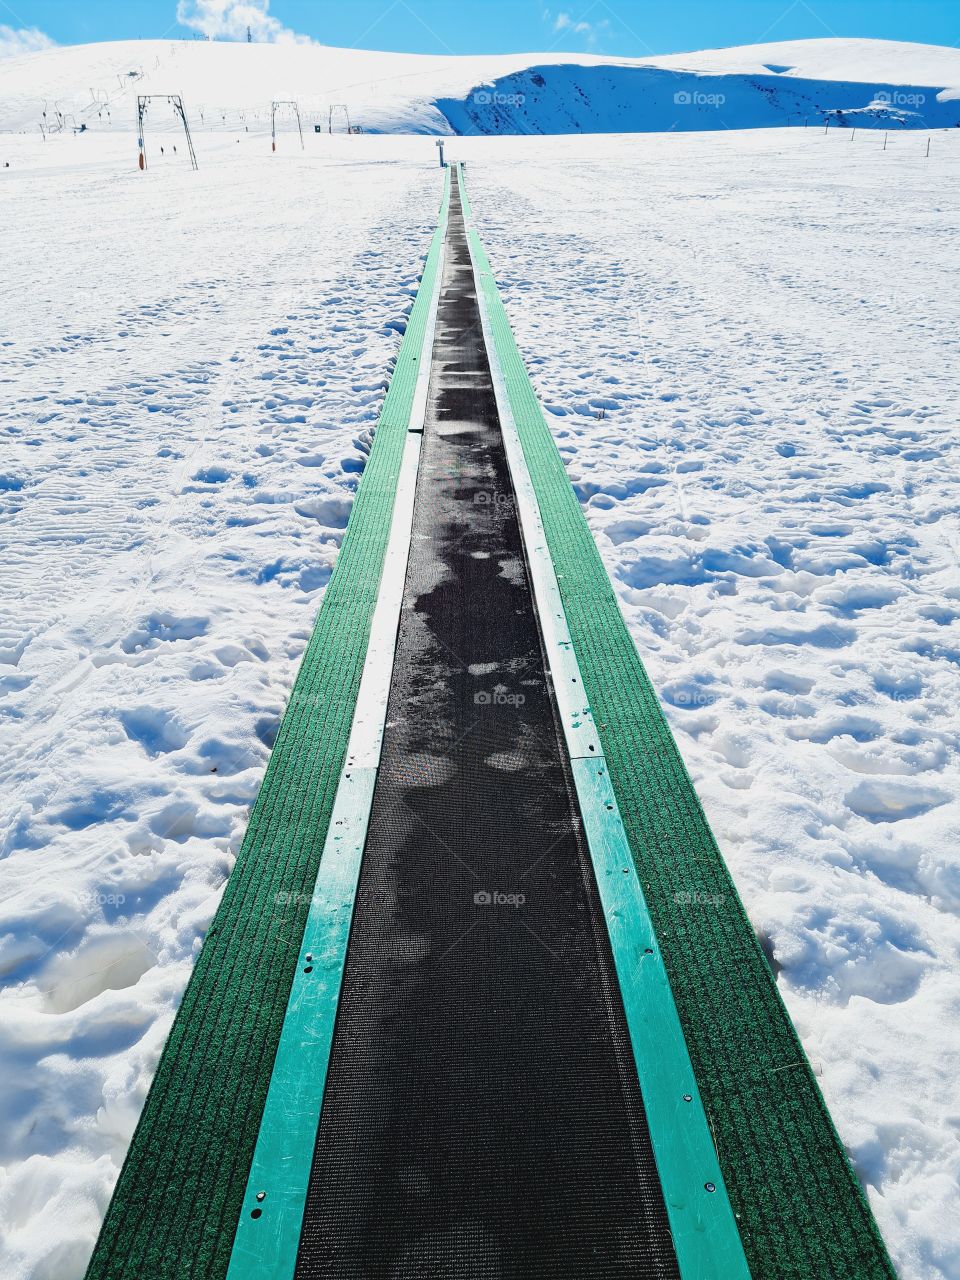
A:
(875, 83)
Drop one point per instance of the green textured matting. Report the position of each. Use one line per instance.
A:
(801, 1210)
(175, 1208)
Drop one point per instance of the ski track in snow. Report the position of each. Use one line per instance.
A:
(746, 346)
(748, 352)
(191, 374)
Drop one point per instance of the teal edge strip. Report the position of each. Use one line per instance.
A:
(268, 1232)
(705, 1234)
(704, 1229)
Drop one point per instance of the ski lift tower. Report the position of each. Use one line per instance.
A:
(283, 102)
(143, 102)
(341, 114)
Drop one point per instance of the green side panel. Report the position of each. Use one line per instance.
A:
(176, 1205)
(800, 1208)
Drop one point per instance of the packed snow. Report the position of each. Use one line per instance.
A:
(191, 369)
(876, 83)
(747, 348)
(746, 345)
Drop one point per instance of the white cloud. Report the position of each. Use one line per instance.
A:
(23, 40)
(565, 25)
(229, 20)
(564, 22)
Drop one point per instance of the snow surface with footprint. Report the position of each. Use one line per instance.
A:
(746, 347)
(190, 374)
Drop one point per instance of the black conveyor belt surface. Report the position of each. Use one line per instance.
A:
(482, 1116)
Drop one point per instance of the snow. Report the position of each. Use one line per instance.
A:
(747, 349)
(866, 61)
(233, 84)
(188, 397)
(746, 344)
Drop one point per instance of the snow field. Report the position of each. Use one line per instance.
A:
(746, 346)
(191, 369)
(747, 349)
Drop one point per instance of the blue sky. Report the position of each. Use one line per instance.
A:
(622, 27)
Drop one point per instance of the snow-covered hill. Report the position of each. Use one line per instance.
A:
(225, 85)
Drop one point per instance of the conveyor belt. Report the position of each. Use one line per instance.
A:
(482, 1115)
(523, 867)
